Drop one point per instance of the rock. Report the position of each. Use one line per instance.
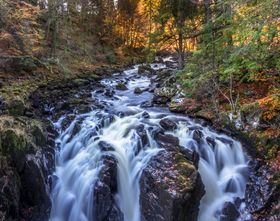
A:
(197, 136)
(109, 172)
(105, 207)
(115, 214)
(160, 100)
(195, 128)
(13, 141)
(102, 201)
(145, 69)
(251, 115)
(168, 124)
(171, 188)
(163, 95)
(229, 212)
(211, 141)
(104, 146)
(262, 196)
(121, 86)
(83, 108)
(187, 105)
(140, 130)
(167, 140)
(146, 115)
(171, 64)
(9, 191)
(27, 159)
(225, 140)
(62, 105)
(38, 135)
(34, 187)
(166, 92)
(16, 107)
(146, 104)
(137, 90)
(190, 155)
(3, 106)
(109, 92)
(67, 121)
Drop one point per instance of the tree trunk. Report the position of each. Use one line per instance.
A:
(207, 11)
(181, 50)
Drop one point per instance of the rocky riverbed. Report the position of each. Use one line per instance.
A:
(170, 185)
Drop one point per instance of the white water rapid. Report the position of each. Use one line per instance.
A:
(222, 165)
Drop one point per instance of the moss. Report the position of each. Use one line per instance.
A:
(250, 107)
(27, 64)
(37, 133)
(185, 168)
(121, 86)
(80, 81)
(111, 58)
(16, 107)
(13, 141)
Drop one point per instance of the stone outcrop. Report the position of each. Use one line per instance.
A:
(171, 187)
(105, 206)
(26, 160)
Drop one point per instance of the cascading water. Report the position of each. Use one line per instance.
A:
(222, 166)
(222, 162)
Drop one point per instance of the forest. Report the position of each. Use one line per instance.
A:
(140, 110)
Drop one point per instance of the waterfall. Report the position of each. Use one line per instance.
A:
(79, 159)
(222, 166)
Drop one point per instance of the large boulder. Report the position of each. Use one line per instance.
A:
(171, 187)
(262, 196)
(105, 206)
(163, 95)
(25, 164)
(168, 124)
(9, 191)
(229, 212)
(34, 185)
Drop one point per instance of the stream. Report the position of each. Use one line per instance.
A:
(113, 131)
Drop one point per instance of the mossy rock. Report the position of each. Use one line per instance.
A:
(167, 92)
(185, 168)
(38, 135)
(121, 86)
(12, 141)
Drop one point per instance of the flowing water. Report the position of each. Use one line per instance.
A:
(222, 165)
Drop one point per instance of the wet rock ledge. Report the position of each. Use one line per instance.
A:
(171, 187)
(26, 160)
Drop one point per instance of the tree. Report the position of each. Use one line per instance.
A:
(178, 11)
